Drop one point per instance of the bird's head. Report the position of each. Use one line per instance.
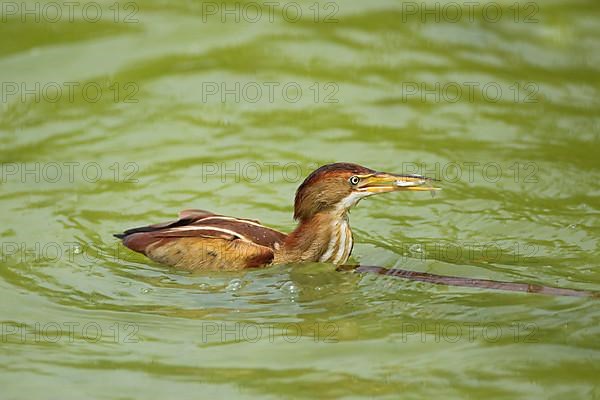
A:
(339, 186)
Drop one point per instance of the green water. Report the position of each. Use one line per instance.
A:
(505, 113)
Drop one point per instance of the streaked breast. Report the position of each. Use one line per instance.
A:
(340, 244)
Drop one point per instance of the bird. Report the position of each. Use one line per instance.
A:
(201, 240)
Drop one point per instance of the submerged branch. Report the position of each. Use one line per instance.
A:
(468, 282)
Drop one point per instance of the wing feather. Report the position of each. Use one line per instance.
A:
(201, 239)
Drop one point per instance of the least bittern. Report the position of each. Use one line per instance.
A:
(201, 240)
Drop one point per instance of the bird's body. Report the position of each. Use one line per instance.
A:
(201, 240)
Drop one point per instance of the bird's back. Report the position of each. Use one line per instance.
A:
(201, 240)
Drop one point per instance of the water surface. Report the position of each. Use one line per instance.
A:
(194, 112)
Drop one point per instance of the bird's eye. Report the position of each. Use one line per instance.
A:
(354, 180)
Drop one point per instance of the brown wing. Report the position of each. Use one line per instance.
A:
(203, 240)
(185, 217)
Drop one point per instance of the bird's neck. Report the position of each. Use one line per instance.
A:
(324, 237)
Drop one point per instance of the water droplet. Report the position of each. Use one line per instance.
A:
(77, 249)
(572, 226)
(290, 287)
(145, 290)
(234, 285)
(416, 248)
